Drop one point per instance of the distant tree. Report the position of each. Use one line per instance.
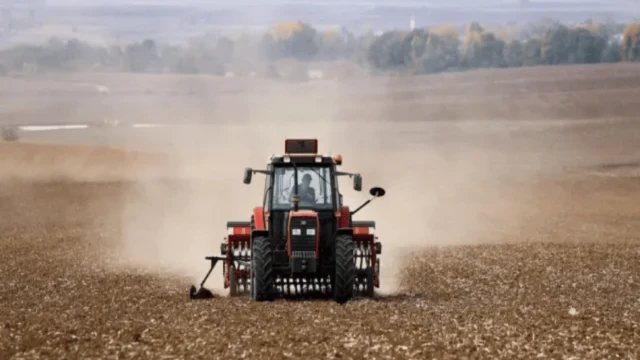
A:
(141, 57)
(612, 53)
(224, 49)
(514, 55)
(631, 43)
(293, 39)
(391, 50)
(482, 49)
(563, 45)
(532, 52)
(332, 45)
(435, 51)
(361, 48)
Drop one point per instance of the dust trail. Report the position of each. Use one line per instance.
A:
(447, 183)
(172, 226)
(458, 189)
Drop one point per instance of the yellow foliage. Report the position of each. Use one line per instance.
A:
(632, 32)
(472, 36)
(593, 28)
(503, 33)
(286, 30)
(506, 35)
(330, 35)
(631, 42)
(445, 30)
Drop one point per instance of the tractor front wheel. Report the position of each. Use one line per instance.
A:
(344, 277)
(262, 270)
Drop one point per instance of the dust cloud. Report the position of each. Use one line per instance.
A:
(447, 183)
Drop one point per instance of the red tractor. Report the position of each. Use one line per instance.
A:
(302, 240)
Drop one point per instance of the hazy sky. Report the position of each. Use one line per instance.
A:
(398, 3)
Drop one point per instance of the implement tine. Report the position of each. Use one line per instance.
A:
(202, 293)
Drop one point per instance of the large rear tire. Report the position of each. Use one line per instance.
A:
(262, 270)
(345, 270)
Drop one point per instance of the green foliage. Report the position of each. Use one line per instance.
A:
(612, 53)
(140, 57)
(390, 50)
(514, 55)
(434, 53)
(533, 52)
(572, 46)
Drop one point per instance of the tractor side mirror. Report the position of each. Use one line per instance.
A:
(377, 192)
(357, 182)
(247, 175)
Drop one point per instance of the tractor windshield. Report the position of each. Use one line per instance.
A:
(314, 187)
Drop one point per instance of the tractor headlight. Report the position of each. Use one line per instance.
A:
(229, 231)
(295, 231)
(311, 232)
(372, 230)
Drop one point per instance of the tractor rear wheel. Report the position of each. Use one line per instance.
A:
(262, 270)
(344, 277)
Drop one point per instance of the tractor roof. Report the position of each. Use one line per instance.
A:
(303, 151)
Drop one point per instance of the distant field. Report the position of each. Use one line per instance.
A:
(561, 92)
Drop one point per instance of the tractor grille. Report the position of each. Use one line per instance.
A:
(303, 254)
(302, 241)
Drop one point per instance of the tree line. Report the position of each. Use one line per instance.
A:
(425, 50)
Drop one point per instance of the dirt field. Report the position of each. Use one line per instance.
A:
(510, 228)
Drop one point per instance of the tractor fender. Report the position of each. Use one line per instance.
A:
(258, 218)
(257, 232)
(344, 231)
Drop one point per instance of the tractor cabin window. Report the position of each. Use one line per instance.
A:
(267, 190)
(320, 184)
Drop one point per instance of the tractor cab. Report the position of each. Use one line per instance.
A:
(302, 179)
(302, 193)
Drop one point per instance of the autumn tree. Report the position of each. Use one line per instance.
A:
(482, 49)
(292, 39)
(436, 50)
(631, 43)
(391, 50)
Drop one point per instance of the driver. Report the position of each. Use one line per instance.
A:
(306, 192)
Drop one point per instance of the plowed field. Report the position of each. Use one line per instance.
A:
(512, 238)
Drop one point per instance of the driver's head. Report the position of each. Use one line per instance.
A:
(306, 180)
